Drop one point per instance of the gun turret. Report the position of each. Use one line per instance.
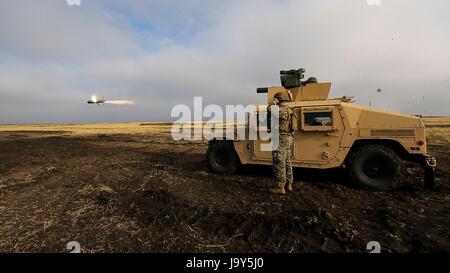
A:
(292, 78)
(298, 90)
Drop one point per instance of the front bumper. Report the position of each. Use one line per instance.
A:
(429, 163)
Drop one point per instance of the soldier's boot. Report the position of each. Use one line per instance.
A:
(278, 190)
(289, 187)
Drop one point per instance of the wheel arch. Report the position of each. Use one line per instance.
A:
(388, 143)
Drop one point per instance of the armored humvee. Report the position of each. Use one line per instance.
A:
(371, 144)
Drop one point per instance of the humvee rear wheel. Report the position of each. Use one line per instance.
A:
(222, 157)
(375, 167)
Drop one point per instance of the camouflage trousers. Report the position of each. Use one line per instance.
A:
(282, 164)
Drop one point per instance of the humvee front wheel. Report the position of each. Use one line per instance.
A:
(222, 157)
(375, 167)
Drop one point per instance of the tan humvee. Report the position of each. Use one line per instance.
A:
(371, 144)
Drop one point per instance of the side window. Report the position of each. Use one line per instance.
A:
(318, 119)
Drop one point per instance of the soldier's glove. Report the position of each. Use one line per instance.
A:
(274, 102)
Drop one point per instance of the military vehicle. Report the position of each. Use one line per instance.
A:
(371, 144)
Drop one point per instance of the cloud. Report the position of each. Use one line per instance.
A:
(51, 30)
(163, 53)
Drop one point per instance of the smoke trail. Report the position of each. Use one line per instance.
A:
(120, 102)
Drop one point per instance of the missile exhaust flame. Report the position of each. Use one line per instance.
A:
(120, 102)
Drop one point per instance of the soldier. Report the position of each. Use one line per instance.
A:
(282, 164)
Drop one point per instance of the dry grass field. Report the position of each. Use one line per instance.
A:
(438, 129)
(131, 188)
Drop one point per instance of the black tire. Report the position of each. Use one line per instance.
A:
(222, 157)
(375, 167)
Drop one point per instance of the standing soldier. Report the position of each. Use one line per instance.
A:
(282, 164)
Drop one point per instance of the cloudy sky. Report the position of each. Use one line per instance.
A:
(162, 53)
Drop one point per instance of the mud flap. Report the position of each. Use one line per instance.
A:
(429, 177)
(430, 164)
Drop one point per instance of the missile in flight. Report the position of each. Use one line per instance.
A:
(101, 100)
(96, 100)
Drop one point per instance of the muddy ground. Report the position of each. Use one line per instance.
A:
(146, 193)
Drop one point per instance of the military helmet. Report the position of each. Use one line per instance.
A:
(282, 96)
(312, 80)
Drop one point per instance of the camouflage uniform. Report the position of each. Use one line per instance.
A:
(282, 164)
